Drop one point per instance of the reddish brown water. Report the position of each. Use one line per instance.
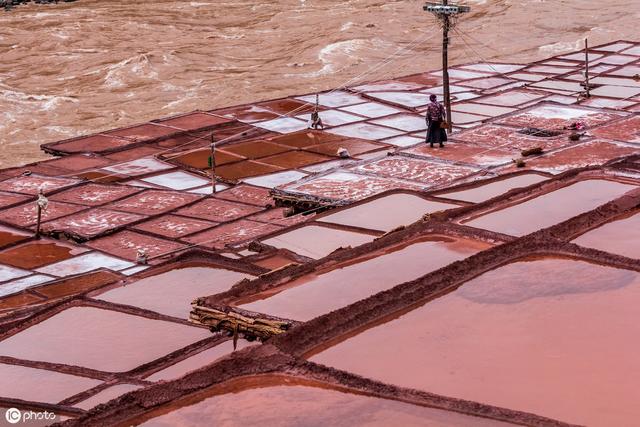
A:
(487, 191)
(551, 208)
(619, 237)
(554, 337)
(100, 339)
(39, 385)
(91, 65)
(289, 402)
(36, 254)
(274, 262)
(314, 295)
(171, 293)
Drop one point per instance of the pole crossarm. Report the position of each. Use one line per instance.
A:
(445, 9)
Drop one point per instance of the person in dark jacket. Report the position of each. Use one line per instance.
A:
(436, 116)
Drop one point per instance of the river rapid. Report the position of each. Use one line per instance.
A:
(77, 68)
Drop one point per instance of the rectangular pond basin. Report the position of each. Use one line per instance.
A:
(554, 337)
(39, 385)
(551, 208)
(621, 236)
(387, 213)
(316, 294)
(106, 395)
(197, 361)
(315, 241)
(171, 292)
(100, 339)
(251, 402)
(493, 189)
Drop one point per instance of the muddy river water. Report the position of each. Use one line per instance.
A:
(75, 68)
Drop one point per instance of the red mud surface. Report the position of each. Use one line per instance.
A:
(194, 121)
(26, 215)
(31, 184)
(346, 186)
(91, 223)
(152, 202)
(481, 155)
(627, 129)
(524, 336)
(234, 232)
(551, 116)
(218, 210)
(591, 153)
(423, 171)
(174, 226)
(247, 194)
(94, 194)
(125, 244)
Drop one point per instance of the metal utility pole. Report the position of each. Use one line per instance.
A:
(444, 11)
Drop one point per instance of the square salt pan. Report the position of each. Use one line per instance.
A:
(622, 92)
(403, 141)
(365, 131)
(208, 189)
(177, 180)
(333, 99)
(615, 47)
(372, 109)
(8, 273)
(633, 51)
(138, 167)
(100, 339)
(283, 125)
(464, 74)
(333, 117)
(275, 179)
(22, 284)
(85, 263)
(493, 67)
(316, 242)
(405, 99)
(405, 122)
(40, 385)
(580, 56)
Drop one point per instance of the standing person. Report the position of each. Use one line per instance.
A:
(436, 116)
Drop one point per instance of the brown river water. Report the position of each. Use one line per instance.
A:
(76, 68)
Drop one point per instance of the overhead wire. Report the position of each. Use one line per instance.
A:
(350, 82)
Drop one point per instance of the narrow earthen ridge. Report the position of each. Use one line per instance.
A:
(267, 360)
